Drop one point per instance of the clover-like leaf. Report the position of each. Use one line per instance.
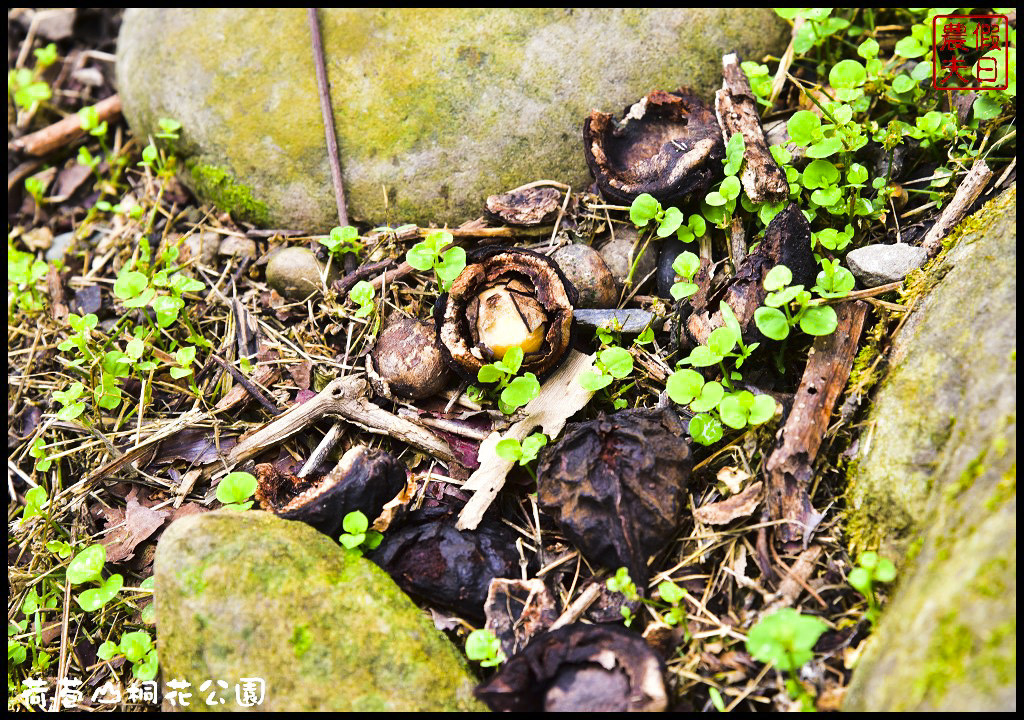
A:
(617, 361)
(521, 390)
(777, 278)
(87, 565)
(705, 429)
(644, 209)
(710, 395)
(819, 320)
(772, 323)
(684, 386)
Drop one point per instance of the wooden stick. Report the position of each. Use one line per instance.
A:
(324, 91)
(346, 398)
(965, 196)
(762, 178)
(791, 465)
(64, 132)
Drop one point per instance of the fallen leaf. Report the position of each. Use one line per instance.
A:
(737, 506)
(517, 610)
(139, 523)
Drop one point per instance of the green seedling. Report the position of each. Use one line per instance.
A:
(27, 90)
(362, 295)
(87, 566)
(786, 639)
(685, 266)
(483, 646)
(38, 450)
(775, 323)
(430, 254)
(35, 498)
(89, 120)
(834, 281)
(24, 275)
(357, 533)
(514, 391)
(612, 363)
(510, 449)
(138, 649)
(70, 399)
(738, 410)
(667, 605)
(342, 240)
(169, 129)
(235, 490)
(623, 584)
(871, 569)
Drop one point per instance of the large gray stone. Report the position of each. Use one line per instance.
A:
(440, 107)
(935, 486)
(242, 595)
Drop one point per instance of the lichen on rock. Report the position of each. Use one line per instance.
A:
(441, 107)
(244, 595)
(934, 486)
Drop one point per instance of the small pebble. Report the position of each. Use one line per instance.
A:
(619, 255)
(234, 246)
(876, 265)
(589, 274)
(294, 272)
(628, 320)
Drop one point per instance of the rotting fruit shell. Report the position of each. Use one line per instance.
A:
(364, 479)
(668, 145)
(506, 298)
(405, 361)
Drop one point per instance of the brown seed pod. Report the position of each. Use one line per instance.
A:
(406, 361)
(668, 145)
(364, 479)
(506, 298)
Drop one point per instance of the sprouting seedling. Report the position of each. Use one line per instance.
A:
(672, 594)
(169, 129)
(514, 391)
(342, 240)
(430, 254)
(35, 498)
(87, 566)
(738, 410)
(775, 323)
(36, 187)
(510, 449)
(685, 266)
(362, 295)
(483, 646)
(357, 533)
(871, 569)
(235, 490)
(646, 208)
(612, 363)
(834, 281)
(89, 120)
(622, 583)
(786, 639)
(734, 150)
(138, 649)
(184, 357)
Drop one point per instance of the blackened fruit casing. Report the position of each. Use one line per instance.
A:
(615, 486)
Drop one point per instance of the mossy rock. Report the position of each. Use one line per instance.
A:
(243, 595)
(437, 108)
(935, 485)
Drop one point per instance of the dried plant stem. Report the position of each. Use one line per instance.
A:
(324, 91)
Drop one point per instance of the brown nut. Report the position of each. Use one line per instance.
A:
(506, 298)
(668, 145)
(406, 362)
